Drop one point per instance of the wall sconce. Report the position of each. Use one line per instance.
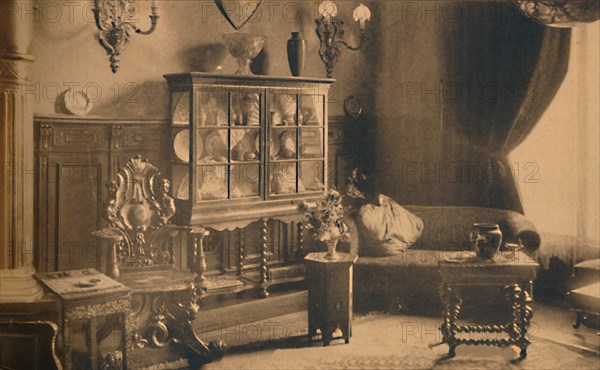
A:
(330, 31)
(115, 21)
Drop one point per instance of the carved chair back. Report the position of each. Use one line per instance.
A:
(138, 212)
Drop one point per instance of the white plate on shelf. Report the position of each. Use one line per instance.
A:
(215, 145)
(181, 146)
(181, 115)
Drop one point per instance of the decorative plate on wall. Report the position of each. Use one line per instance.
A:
(77, 102)
(353, 106)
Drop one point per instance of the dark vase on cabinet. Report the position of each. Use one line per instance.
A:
(296, 49)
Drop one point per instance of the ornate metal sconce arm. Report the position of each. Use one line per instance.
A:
(154, 19)
(96, 12)
(352, 48)
(115, 21)
(331, 33)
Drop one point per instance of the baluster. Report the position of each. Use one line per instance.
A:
(300, 248)
(514, 293)
(526, 314)
(263, 269)
(241, 251)
(456, 305)
(199, 260)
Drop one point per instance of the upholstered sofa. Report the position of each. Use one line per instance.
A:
(409, 281)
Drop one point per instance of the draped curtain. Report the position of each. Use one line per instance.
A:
(502, 73)
(564, 202)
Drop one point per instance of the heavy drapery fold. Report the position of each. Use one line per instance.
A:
(510, 69)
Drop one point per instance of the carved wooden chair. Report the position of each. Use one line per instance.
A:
(28, 345)
(142, 255)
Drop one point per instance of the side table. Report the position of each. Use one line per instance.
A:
(88, 295)
(329, 295)
(513, 272)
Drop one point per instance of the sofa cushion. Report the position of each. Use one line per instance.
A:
(386, 228)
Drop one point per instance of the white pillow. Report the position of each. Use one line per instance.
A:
(386, 229)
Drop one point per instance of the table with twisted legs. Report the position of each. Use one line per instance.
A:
(513, 273)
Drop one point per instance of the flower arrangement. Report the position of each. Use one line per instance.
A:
(325, 219)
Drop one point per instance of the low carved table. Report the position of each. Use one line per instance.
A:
(329, 295)
(87, 295)
(512, 272)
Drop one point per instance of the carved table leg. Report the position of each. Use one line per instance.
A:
(451, 308)
(521, 316)
(92, 342)
(67, 344)
(264, 280)
(456, 305)
(125, 339)
(526, 314)
(513, 293)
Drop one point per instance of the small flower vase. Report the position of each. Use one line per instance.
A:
(331, 249)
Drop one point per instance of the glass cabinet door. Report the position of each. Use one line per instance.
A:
(180, 139)
(236, 147)
(228, 144)
(311, 143)
(296, 144)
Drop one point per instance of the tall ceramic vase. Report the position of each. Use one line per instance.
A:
(296, 49)
(331, 249)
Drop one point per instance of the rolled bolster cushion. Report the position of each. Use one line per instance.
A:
(387, 228)
(516, 226)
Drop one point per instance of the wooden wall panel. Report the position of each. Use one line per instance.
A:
(77, 156)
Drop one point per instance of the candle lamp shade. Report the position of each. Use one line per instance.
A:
(362, 14)
(328, 9)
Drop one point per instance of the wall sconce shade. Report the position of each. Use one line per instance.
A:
(115, 20)
(362, 14)
(328, 10)
(331, 32)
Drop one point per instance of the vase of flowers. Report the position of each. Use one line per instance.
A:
(325, 221)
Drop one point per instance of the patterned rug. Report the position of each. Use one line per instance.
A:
(382, 341)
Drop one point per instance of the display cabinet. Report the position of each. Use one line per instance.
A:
(246, 149)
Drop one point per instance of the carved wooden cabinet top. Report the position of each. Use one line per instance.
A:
(246, 148)
(86, 134)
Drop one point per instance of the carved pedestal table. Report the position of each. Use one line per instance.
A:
(514, 274)
(88, 295)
